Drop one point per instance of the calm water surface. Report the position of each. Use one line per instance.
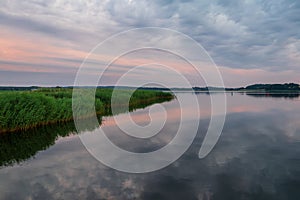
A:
(257, 157)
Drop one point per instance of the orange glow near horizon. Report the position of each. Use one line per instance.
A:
(19, 50)
(23, 50)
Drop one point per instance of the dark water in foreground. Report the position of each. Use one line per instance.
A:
(257, 157)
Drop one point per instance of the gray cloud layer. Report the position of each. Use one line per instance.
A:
(237, 34)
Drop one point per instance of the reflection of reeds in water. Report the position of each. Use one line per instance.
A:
(19, 146)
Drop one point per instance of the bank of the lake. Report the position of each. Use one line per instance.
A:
(24, 110)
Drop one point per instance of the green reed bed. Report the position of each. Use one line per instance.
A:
(22, 110)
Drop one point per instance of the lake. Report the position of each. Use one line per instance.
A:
(256, 157)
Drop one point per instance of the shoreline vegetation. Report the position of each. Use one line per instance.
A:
(31, 107)
(286, 87)
(24, 108)
(20, 144)
(275, 88)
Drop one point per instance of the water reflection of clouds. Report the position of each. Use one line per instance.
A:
(140, 117)
(256, 157)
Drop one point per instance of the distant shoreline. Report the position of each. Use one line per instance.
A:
(276, 88)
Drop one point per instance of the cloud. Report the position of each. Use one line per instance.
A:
(238, 35)
(20, 78)
(34, 67)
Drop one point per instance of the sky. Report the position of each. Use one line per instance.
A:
(45, 42)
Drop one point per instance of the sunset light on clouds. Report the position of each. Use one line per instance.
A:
(45, 42)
